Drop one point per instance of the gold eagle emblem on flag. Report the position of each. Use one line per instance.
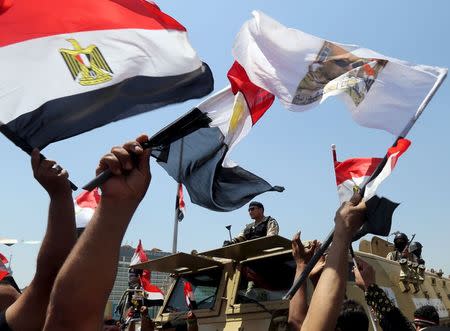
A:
(87, 65)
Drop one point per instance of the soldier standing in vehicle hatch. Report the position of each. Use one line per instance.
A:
(261, 227)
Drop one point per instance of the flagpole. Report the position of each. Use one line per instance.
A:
(424, 103)
(177, 202)
(175, 232)
(333, 152)
(327, 242)
(24, 146)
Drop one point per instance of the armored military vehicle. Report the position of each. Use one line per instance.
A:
(240, 287)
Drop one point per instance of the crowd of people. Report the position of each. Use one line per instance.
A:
(68, 293)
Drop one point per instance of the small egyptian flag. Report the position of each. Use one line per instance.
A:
(85, 205)
(152, 293)
(4, 271)
(179, 204)
(189, 296)
(354, 173)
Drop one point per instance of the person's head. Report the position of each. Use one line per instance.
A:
(256, 210)
(400, 241)
(352, 317)
(416, 248)
(425, 316)
(133, 277)
(110, 325)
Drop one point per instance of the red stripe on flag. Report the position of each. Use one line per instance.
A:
(27, 19)
(181, 204)
(355, 168)
(258, 99)
(3, 270)
(3, 259)
(400, 148)
(88, 199)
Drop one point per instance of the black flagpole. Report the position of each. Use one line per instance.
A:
(300, 280)
(23, 145)
(193, 120)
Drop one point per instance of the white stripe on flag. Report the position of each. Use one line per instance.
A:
(129, 53)
(154, 295)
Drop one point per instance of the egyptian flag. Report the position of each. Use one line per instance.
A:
(200, 159)
(354, 173)
(303, 70)
(153, 295)
(4, 271)
(189, 295)
(179, 204)
(85, 205)
(71, 66)
(139, 255)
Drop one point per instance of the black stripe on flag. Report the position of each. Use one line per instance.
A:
(68, 116)
(209, 184)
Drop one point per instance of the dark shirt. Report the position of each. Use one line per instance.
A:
(389, 316)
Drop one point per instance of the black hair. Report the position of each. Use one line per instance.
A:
(352, 317)
(426, 316)
(256, 204)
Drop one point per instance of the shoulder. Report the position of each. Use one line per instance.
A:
(270, 219)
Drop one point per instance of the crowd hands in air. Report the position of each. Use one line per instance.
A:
(329, 309)
(69, 293)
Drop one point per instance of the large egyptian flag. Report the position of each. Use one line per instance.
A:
(70, 66)
(200, 160)
(303, 70)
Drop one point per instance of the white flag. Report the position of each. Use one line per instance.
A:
(302, 70)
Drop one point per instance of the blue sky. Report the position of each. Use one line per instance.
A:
(285, 148)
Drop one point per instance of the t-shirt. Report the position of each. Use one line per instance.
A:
(3, 324)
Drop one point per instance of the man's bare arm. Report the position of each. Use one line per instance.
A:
(56, 245)
(89, 272)
(298, 306)
(328, 296)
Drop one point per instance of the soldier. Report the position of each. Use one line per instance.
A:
(415, 250)
(261, 227)
(400, 243)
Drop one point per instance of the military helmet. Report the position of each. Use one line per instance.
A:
(400, 236)
(415, 246)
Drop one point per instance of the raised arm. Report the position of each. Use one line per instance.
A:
(56, 245)
(88, 274)
(329, 294)
(298, 306)
(389, 316)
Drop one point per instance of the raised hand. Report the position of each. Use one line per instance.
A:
(302, 254)
(51, 176)
(350, 217)
(130, 165)
(364, 274)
